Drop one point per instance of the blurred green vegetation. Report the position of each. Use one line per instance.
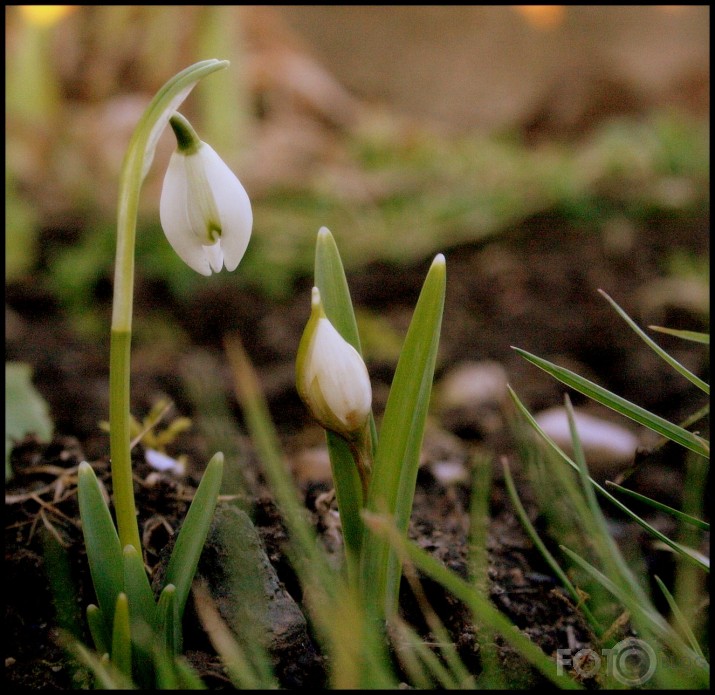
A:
(428, 193)
(386, 189)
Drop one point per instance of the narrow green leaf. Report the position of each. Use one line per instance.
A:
(641, 522)
(484, 612)
(693, 336)
(685, 518)
(121, 637)
(98, 629)
(169, 623)
(107, 676)
(394, 473)
(102, 543)
(333, 285)
(541, 547)
(192, 536)
(335, 294)
(186, 677)
(680, 618)
(650, 617)
(621, 405)
(166, 676)
(703, 386)
(603, 541)
(142, 608)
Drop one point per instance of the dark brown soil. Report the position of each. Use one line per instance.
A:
(534, 287)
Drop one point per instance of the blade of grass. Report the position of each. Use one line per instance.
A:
(685, 518)
(434, 666)
(536, 540)
(330, 602)
(454, 667)
(641, 522)
(703, 386)
(655, 622)
(600, 535)
(680, 618)
(411, 664)
(621, 405)
(483, 611)
(397, 457)
(107, 676)
(237, 662)
(693, 336)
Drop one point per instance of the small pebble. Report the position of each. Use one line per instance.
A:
(605, 444)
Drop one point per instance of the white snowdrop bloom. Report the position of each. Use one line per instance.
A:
(332, 378)
(205, 211)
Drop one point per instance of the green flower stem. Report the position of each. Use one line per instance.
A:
(361, 450)
(136, 164)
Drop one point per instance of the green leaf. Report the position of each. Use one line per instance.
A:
(484, 612)
(659, 350)
(621, 405)
(169, 623)
(142, 607)
(107, 676)
(121, 640)
(541, 547)
(335, 295)
(26, 411)
(685, 518)
(614, 500)
(603, 541)
(649, 616)
(693, 336)
(101, 541)
(186, 677)
(394, 473)
(680, 618)
(98, 629)
(192, 536)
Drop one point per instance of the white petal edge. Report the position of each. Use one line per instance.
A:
(233, 205)
(175, 220)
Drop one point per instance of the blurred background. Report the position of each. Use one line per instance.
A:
(407, 131)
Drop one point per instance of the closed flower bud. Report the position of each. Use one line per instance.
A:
(332, 378)
(205, 211)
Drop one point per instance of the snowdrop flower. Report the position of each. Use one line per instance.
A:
(332, 379)
(205, 211)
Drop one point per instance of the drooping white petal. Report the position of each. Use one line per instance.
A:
(175, 219)
(215, 256)
(205, 211)
(233, 205)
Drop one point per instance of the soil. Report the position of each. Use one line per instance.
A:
(533, 287)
